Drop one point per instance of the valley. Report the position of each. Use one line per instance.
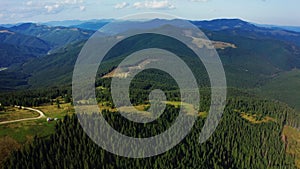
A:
(259, 127)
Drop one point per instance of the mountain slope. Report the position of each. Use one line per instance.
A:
(249, 64)
(17, 48)
(91, 25)
(12, 54)
(236, 27)
(8, 36)
(252, 62)
(57, 36)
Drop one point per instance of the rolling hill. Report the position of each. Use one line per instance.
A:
(258, 62)
(237, 27)
(17, 48)
(253, 62)
(8, 36)
(56, 36)
(249, 64)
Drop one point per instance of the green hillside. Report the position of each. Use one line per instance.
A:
(283, 87)
(56, 36)
(259, 128)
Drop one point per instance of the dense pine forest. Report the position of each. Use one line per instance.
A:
(237, 142)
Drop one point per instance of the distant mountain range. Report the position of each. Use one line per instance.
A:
(22, 42)
(289, 28)
(56, 36)
(44, 56)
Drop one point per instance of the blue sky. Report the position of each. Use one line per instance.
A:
(279, 12)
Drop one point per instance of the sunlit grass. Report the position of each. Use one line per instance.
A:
(253, 118)
(13, 113)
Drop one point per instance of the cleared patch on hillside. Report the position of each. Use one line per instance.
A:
(7, 31)
(125, 71)
(255, 119)
(201, 42)
(223, 45)
(3, 68)
(291, 138)
(212, 44)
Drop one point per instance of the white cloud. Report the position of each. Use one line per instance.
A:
(72, 1)
(52, 8)
(35, 8)
(165, 4)
(63, 4)
(121, 5)
(29, 3)
(82, 8)
(199, 0)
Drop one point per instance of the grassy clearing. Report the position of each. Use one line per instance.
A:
(140, 108)
(13, 135)
(54, 112)
(25, 131)
(291, 137)
(254, 118)
(188, 107)
(13, 113)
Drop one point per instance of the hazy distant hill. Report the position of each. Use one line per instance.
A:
(18, 48)
(92, 24)
(289, 28)
(248, 65)
(228, 26)
(8, 36)
(236, 27)
(260, 54)
(56, 36)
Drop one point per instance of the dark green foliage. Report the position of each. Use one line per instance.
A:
(32, 98)
(19, 39)
(236, 143)
(56, 36)
(237, 27)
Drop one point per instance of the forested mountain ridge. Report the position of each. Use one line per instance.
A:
(251, 62)
(251, 133)
(8, 36)
(18, 48)
(237, 27)
(57, 36)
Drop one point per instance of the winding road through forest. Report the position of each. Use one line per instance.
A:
(42, 115)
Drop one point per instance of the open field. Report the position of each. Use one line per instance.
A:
(24, 131)
(13, 135)
(53, 111)
(13, 113)
(16, 134)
